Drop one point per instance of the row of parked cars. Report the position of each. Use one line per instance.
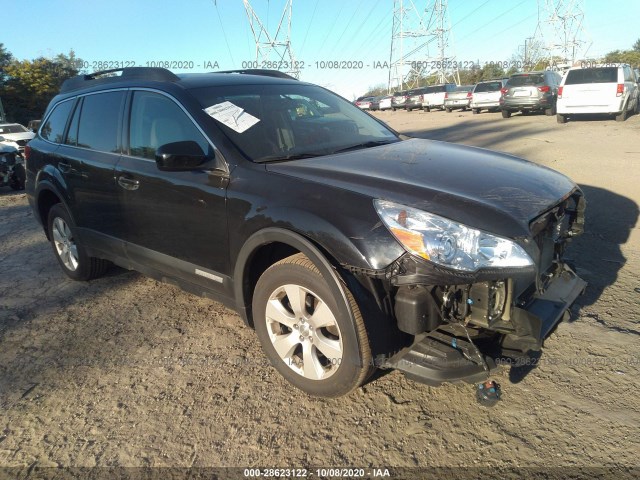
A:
(611, 89)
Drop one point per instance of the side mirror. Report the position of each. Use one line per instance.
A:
(180, 156)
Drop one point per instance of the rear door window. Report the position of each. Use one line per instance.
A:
(53, 128)
(100, 120)
(592, 75)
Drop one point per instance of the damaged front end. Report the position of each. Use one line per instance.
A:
(462, 320)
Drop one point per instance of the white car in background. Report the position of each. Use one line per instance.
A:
(385, 102)
(14, 132)
(609, 89)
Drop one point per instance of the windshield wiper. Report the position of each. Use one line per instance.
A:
(373, 143)
(295, 156)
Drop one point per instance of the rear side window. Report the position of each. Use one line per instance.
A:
(592, 75)
(157, 120)
(526, 80)
(53, 128)
(100, 121)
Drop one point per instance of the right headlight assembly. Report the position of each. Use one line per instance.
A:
(449, 243)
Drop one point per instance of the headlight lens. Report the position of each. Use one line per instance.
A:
(448, 243)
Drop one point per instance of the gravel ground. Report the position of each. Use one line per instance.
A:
(126, 371)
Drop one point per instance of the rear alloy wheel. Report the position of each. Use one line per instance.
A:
(506, 113)
(70, 253)
(317, 341)
(561, 118)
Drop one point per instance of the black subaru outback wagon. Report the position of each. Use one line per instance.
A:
(345, 245)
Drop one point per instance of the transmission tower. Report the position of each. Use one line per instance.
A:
(561, 32)
(413, 31)
(274, 48)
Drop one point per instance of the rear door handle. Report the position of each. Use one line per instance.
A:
(128, 183)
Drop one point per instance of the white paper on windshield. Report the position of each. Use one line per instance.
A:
(232, 116)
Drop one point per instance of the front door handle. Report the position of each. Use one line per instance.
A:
(128, 183)
(64, 167)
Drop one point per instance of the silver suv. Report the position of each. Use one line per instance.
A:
(532, 91)
(486, 95)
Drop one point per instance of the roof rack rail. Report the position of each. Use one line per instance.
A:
(261, 71)
(129, 73)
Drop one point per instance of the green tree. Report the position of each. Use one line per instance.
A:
(636, 46)
(5, 60)
(29, 85)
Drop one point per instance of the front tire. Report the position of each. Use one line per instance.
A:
(506, 114)
(622, 116)
(312, 337)
(561, 118)
(69, 252)
(475, 111)
(449, 110)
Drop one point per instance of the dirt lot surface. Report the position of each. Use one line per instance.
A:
(128, 371)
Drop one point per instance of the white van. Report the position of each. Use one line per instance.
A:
(610, 89)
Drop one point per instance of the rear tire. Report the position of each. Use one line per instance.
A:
(622, 116)
(550, 112)
(506, 114)
(561, 118)
(449, 110)
(69, 252)
(426, 109)
(314, 339)
(475, 111)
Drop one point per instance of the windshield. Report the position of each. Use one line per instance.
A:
(12, 129)
(592, 75)
(524, 80)
(294, 121)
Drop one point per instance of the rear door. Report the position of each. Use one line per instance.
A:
(591, 87)
(88, 157)
(525, 86)
(173, 221)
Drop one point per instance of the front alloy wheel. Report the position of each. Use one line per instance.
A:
(304, 332)
(310, 334)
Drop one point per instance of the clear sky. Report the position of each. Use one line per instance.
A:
(202, 31)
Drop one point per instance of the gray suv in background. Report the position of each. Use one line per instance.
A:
(532, 91)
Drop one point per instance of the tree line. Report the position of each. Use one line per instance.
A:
(27, 86)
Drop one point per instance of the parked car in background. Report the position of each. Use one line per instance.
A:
(14, 132)
(34, 125)
(486, 95)
(345, 245)
(532, 91)
(12, 172)
(414, 98)
(374, 104)
(458, 99)
(610, 89)
(398, 100)
(364, 102)
(434, 96)
(385, 102)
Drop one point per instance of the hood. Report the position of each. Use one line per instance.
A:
(18, 136)
(492, 191)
